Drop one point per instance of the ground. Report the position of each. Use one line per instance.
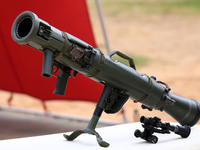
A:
(168, 42)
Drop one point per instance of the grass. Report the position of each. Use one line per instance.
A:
(130, 8)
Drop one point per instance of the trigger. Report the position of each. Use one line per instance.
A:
(56, 70)
(74, 73)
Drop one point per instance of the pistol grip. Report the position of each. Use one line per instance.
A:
(61, 83)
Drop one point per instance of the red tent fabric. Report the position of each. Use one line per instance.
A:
(21, 65)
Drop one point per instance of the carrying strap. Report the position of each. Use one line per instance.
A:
(64, 47)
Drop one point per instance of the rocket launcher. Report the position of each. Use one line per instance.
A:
(120, 81)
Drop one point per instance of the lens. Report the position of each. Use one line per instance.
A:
(138, 133)
(144, 119)
(24, 27)
(152, 139)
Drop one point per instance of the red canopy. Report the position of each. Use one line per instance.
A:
(21, 65)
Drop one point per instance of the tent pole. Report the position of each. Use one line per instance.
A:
(103, 25)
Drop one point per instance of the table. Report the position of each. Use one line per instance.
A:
(119, 137)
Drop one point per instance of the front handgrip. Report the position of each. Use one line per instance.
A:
(124, 56)
(61, 82)
(47, 65)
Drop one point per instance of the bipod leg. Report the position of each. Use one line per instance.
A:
(88, 130)
(94, 120)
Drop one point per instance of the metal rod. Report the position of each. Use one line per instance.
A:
(103, 26)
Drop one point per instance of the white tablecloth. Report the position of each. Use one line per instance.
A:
(119, 137)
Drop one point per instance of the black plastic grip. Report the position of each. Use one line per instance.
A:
(61, 83)
(47, 65)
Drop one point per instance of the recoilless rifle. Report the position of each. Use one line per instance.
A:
(120, 81)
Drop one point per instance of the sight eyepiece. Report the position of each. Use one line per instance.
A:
(183, 131)
(155, 125)
(144, 119)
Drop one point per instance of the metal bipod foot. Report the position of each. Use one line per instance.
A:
(94, 120)
(76, 133)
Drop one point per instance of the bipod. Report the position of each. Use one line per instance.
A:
(94, 120)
